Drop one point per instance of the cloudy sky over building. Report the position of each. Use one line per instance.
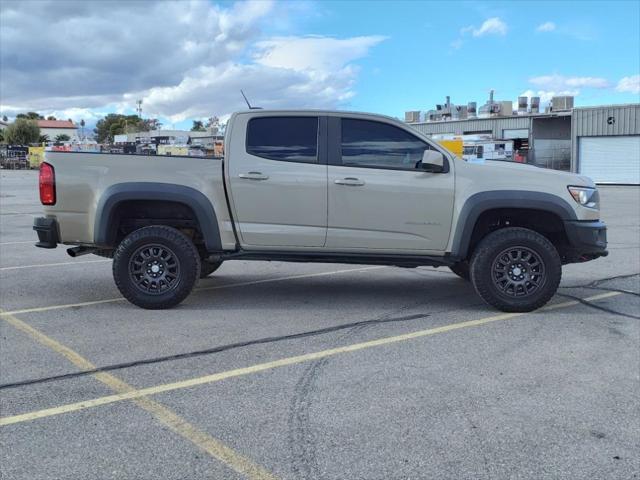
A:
(189, 59)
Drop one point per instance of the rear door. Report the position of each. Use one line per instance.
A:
(378, 197)
(277, 180)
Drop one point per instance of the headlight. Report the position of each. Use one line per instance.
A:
(585, 196)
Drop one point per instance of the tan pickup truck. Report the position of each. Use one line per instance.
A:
(321, 186)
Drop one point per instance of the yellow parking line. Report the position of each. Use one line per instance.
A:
(214, 287)
(177, 424)
(216, 377)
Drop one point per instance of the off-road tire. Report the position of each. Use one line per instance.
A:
(489, 267)
(182, 267)
(461, 269)
(207, 268)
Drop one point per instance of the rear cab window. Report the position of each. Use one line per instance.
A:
(286, 138)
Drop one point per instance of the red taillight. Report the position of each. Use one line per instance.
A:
(47, 184)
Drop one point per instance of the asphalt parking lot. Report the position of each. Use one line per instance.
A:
(296, 371)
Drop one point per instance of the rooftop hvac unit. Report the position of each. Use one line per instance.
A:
(506, 108)
(471, 109)
(522, 105)
(535, 104)
(562, 103)
(412, 117)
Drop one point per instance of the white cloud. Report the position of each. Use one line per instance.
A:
(560, 82)
(183, 58)
(629, 84)
(546, 27)
(289, 72)
(491, 26)
(547, 95)
(313, 53)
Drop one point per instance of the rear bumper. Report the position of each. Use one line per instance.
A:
(587, 239)
(47, 230)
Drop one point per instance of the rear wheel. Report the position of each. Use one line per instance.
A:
(156, 267)
(516, 270)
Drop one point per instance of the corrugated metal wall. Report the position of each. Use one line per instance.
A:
(596, 122)
(585, 122)
(458, 127)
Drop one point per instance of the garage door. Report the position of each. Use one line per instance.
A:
(610, 159)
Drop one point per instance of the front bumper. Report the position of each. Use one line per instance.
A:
(47, 230)
(587, 239)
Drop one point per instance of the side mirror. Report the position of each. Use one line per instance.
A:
(432, 161)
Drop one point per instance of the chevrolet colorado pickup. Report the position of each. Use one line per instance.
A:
(320, 186)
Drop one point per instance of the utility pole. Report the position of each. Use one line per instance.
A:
(139, 108)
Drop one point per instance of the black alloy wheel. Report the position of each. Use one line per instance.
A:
(516, 269)
(156, 267)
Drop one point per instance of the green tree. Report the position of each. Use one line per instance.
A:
(151, 124)
(116, 124)
(43, 139)
(22, 132)
(51, 117)
(30, 116)
(63, 137)
(1, 136)
(4, 118)
(198, 126)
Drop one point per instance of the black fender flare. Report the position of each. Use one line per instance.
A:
(481, 202)
(121, 192)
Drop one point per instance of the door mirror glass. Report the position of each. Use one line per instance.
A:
(432, 161)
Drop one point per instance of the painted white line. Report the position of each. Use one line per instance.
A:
(20, 267)
(213, 287)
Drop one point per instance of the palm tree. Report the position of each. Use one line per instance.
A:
(43, 139)
(82, 124)
(63, 137)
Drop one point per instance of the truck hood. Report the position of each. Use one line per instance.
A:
(512, 169)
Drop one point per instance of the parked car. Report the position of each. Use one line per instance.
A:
(321, 186)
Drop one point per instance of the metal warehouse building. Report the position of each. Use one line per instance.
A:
(602, 142)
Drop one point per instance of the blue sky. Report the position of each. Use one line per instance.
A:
(425, 57)
(188, 59)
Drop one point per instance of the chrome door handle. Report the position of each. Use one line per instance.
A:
(254, 176)
(350, 182)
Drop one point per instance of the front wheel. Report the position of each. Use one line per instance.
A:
(516, 270)
(156, 267)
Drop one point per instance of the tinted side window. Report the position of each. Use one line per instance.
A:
(291, 139)
(367, 143)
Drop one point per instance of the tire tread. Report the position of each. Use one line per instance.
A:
(182, 243)
(499, 239)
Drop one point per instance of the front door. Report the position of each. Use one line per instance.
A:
(378, 197)
(278, 184)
